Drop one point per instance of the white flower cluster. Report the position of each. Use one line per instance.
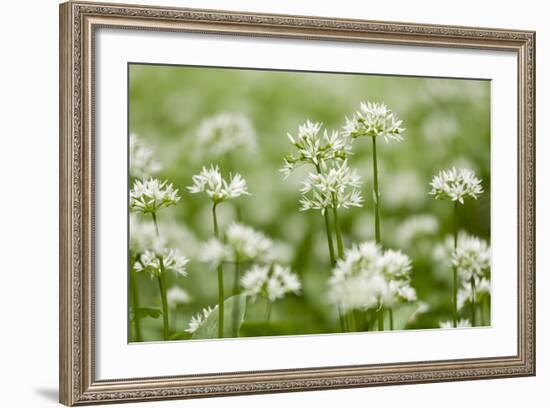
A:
(149, 196)
(415, 227)
(272, 282)
(242, 243)
(456, 185)
(199, 319)
(143, 236)
(374, 119)
(225, 133)
(370, 277)
(142, 161)
(176, 296)
(313, 148)
(336, 187)
(211, 182)
(472, 258)
(166, 260)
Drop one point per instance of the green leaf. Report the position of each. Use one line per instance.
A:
(142, 312)
(235, 308)
(401, 316)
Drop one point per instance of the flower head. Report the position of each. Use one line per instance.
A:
(247, 243)
(199, 319)
(149, 196)
(482, 289)
(369, 277)
(472, 257)
(166, 260)
(210, 181)
(314, 147)
(337, 187)
(214, 252)
(455, 185)
(142, 159)
(225, 133)
(176, 295)
(374, 119)
(272, 282)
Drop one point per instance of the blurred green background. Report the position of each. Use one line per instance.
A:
(447, 122)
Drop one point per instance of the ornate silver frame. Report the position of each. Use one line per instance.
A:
(78, 22)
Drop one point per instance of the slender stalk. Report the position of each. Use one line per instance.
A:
(339, 242)
(390, 312)
(156, 224)
(221, 315)
(376, 194)
(164, 300)
(328, 230)
(473, 284)
(135, 299)
(236, 291)
(455, 272)
(381, 319)
(341, 319)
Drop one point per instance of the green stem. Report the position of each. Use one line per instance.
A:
(328, 230)
(473, 284)
(376, 193)
(455, 272)
(164, 300)
(390, 311)
(221, 315)
(381, 319)
(339, 242)
(341, 319)
(135, 299)
(156, 224)
(236, 291)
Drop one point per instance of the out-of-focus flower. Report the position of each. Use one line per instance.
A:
(168, 259)
(176, 296)
(142, 159)
(415, 227)
(374, 119)
(272, 282)
(336, 187)
(456, 185)
(482, 289)
(225, 133)
(449, 324)
(210, 181)
(248, 243)
(149, 196)
(143, 236)
(199, 319)
(313, 148)
(214, 252)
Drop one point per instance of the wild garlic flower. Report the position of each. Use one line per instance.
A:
(149, 196)
(482, 289)
(214, 252)
(272, 282)
(247, 243)
(374, 119)
(142, 158)
(449, 324)
(368, 277)
(177, 296)
(472, 257)
(199, 319)
(210, 181)
(357, 281)
(456, 185)
(154, 262)
(415, 227)
(314, 148)
(143, 236)
(225, 133)
(336, 187)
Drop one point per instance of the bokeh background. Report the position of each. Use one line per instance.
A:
(447, 122)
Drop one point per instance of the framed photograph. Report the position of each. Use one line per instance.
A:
(258, 203)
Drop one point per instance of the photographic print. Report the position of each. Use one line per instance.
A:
(268, 203)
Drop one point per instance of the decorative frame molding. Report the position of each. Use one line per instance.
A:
(78, 22)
